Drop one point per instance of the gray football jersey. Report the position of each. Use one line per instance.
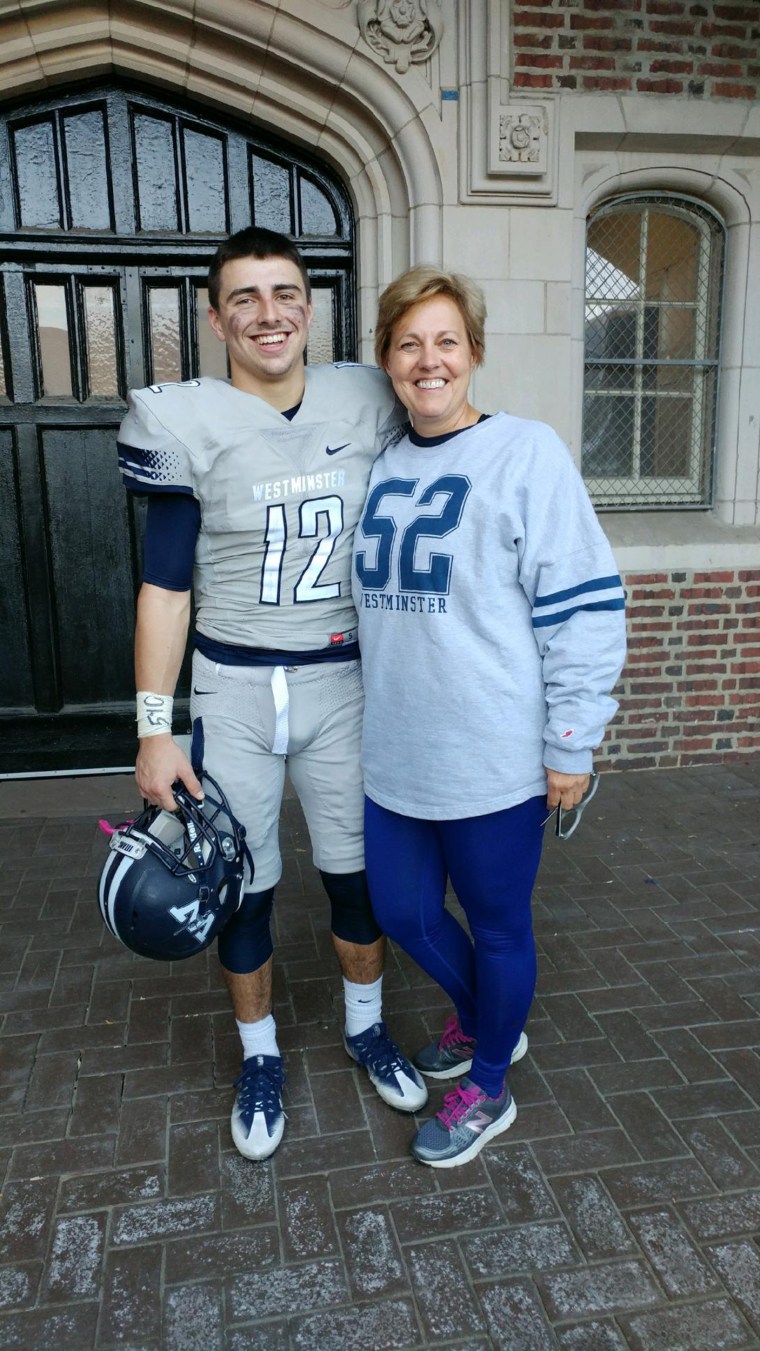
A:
(279, 498)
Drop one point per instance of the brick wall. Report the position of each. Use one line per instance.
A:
(690, 692)
(700, 50)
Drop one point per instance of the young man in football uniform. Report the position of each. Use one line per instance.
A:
(255, 487)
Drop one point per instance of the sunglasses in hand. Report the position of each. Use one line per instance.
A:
(568, 820)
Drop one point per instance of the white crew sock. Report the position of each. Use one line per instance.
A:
(364, 1005)
(258, 1038)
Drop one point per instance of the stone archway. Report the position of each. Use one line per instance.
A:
(304, 71)
(307, 79)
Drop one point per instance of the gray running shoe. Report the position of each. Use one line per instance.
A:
(465, 1122)
(448, 1058)
(451, 1056)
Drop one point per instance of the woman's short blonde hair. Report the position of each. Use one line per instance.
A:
(422, 283)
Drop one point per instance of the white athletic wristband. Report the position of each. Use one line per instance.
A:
(154, 713)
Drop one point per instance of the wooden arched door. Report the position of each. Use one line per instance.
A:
(111, 204)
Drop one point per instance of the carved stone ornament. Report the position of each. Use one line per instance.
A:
(518, 141)
(401, 31)
(520, 138)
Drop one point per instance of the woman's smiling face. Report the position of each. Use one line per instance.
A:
(430, 362)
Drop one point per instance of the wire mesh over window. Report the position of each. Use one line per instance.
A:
(654, 268)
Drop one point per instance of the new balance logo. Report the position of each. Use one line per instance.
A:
(478, 1122)
(333, 450)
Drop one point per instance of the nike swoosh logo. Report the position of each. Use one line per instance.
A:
(333, 450)
(197, 691)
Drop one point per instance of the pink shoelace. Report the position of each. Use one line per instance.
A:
(453, 1035)
(458, 1102)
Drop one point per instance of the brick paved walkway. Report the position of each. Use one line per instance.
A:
(621, 1211)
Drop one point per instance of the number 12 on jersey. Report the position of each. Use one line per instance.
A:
(307, 586)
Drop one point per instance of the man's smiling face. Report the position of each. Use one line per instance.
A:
(264, 316)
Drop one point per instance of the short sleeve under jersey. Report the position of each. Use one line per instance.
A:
(171, 533)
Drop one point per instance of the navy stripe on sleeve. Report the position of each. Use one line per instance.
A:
(597, 584)
(559, 616)
(150, 471)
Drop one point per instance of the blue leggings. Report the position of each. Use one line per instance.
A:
(492, 861)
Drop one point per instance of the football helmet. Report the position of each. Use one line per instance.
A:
(173, 879)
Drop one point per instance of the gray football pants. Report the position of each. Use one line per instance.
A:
(252, 721)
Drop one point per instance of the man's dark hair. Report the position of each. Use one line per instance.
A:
(253, 242)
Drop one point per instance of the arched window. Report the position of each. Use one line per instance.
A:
(654, 269)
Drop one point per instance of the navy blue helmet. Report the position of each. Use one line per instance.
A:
(172, 880)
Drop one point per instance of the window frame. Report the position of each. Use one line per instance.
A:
(665, 492)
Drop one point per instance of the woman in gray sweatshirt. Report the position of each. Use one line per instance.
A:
(492, 629)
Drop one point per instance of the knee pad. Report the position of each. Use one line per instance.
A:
(245, 942)
(352, 917)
